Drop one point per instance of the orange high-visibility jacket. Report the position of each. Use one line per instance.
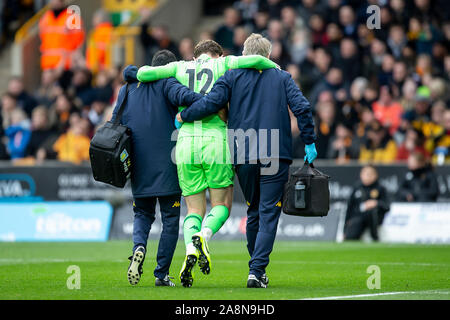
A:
(59, 38)
(97, 52)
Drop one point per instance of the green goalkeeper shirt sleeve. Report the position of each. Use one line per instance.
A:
(251, 61)
(148, 73)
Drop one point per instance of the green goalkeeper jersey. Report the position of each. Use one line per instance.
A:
(199, 75)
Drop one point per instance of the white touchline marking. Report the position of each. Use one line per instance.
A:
(423, 264)
(378, 294)
(12, 261)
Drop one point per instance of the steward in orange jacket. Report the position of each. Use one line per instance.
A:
(97, 52)
(61, 32)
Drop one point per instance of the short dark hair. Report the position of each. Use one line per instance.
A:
(162, 58)
(208, 46)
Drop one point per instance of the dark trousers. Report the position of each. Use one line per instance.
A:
(354, 228)
(263, 194)
(144, 216)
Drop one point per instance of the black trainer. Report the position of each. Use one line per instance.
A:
(135, 269)
(186, 273)
(254, 282)
(166, 282)
(265, 279)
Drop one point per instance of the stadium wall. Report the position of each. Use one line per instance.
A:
(70, 183)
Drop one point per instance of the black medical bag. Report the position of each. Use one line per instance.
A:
(110, 151)
(306, 193)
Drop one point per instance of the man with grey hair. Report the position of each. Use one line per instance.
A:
(257, 44)
(258, 104)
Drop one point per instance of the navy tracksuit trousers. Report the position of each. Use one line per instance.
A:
(144, 216)
(263, 194)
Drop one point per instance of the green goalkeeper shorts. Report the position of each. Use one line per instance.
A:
(203, 162)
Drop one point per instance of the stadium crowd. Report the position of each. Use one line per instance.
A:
(378, 95)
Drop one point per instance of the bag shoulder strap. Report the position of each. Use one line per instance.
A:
(121, 108)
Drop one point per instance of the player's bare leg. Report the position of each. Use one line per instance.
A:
(221, 200)
(196, 204)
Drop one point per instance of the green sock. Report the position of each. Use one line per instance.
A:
(191, 225)
(216, 218)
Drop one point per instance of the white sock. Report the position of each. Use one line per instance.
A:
(190, 249)
(207, 233)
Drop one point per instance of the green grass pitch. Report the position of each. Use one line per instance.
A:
(298, 270)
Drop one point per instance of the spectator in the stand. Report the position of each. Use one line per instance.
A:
(186, 49)
(408, 94)
(98, 47)
(341, 146)
(299, 47)
(325, 127)
(45, 93)
(400, 12)
(385, 73)
(372, 61)
(224, 35)
(247, 10)
(9, 104)
(332, 11)
(440, 144)
(347, 19)
(155, 39)
(349, 62)
(60, 112)
(290, 21)
(385, 21)
(377, 147)
(97, 111)
(60, 46)
(24, 100)
(423, 67)
(396, 40)
(315, 66)
(279, 54)
(420, 183)
(80, 88)
(367, 118)
(399, 76)
(387, 111)
(275, 30)
(334, 36)
(261, 22)
(421, 112)
(40, 130)
(357, 89)
(103, 86)
(319, 35)
(447, 67)
(414, 142)
(239, 37)
(366, 207)
(274, 7)
(18, 134)
(333, 82)
(73, 146)
(309, 7)
(206, 35)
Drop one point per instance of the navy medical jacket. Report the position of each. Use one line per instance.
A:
(258, 100)
(150, 112)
